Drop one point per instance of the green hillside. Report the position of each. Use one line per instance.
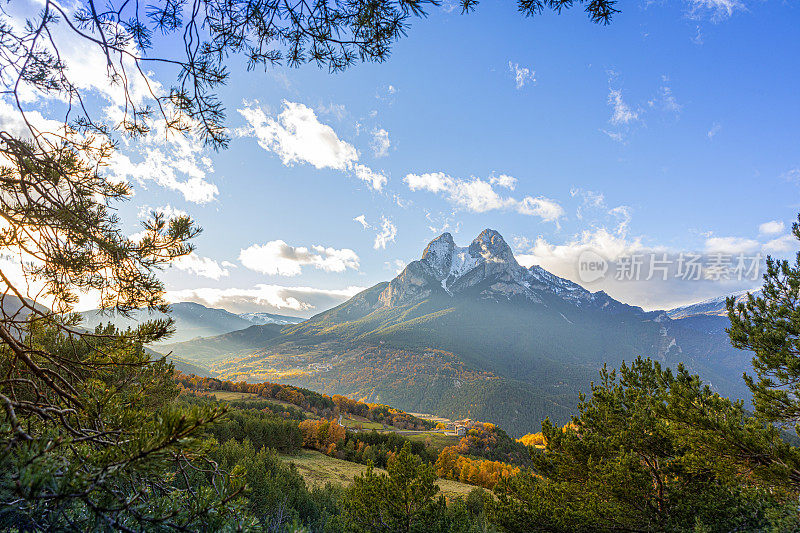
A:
(232, 344)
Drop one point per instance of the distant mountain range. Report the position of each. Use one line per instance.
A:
(192, 320)
(12, 307)
(206, 350)
(269, 318)
(463, 332)
(711, 307)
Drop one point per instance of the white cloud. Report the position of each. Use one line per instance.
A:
(380, 142)
(522, 75)
(200, 266)
(731, 245)
(542, 207)
(86, 65)
(792, 175)
(374, 179)
(362, 219)
(715, 128)
(615, 136)
(441, 223)
(339, 111)
(784, 243)
(562, 259)
(173, 161)
(698, 36)
(478, 196)
(715, 9)
(668, 100)
(396, 266)
(386, 234)
(170, 167)
(621, 113)
(646, 290)
(521, 243)
(387, 93)
(504, 180)
(625, 116)
(591, 200)
(14, 124)
(773, 227)
(297, 136)
(167, 211)
(623, 215)
(266, 298)
(278, 258)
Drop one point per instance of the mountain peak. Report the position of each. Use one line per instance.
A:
(438, 255)
(486, 269)
(491, 246)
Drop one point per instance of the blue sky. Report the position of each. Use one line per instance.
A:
(673, 129)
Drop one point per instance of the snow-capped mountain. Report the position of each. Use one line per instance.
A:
(487, 266)
(710, 307)
(270, 318)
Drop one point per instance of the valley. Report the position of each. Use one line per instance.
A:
(464, 332)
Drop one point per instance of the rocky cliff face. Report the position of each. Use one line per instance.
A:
(487, 264)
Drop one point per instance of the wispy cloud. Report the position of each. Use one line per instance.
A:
(522, 75)
(386, 234)
(716, 10)
(362, 219)
(380, 142)
(386, 231)
(731, 245)
(479, 196)
(667, 99)
(621, 112)
(167, 211)
(396, 266)
(264, 297)
(792, 175)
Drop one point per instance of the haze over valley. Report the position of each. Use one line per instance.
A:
(463, 332)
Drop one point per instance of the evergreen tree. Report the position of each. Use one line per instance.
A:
(402, 501)
(769, 324)
(119, 461)
(653, 451)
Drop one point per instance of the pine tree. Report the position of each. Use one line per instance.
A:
(402, 501)
(769, 324)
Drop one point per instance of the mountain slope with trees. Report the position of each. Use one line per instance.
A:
(470, 332)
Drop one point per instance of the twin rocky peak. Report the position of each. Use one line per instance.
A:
(486, 268)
